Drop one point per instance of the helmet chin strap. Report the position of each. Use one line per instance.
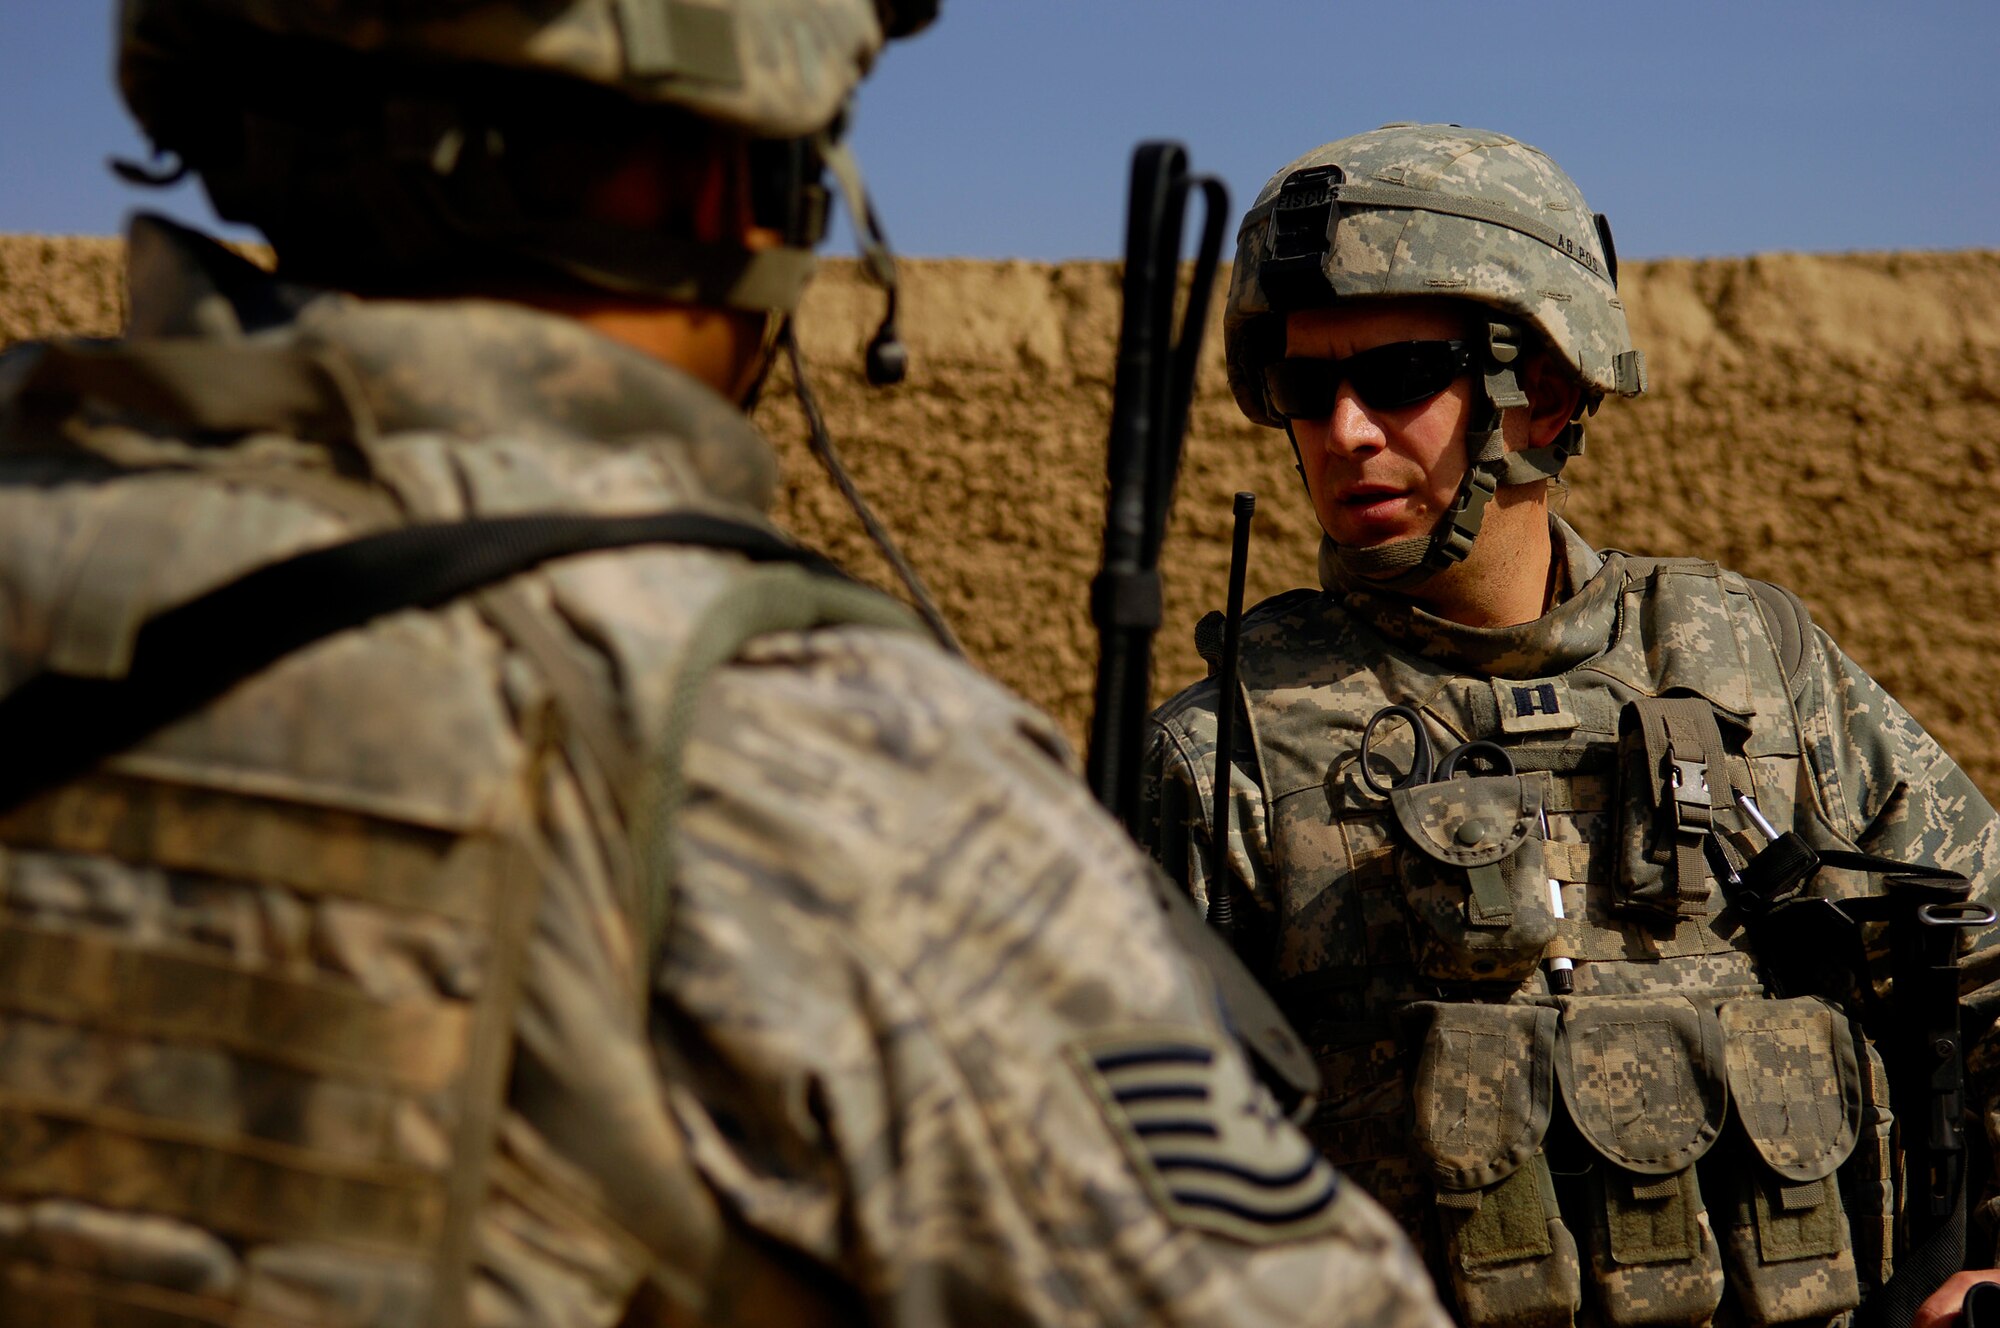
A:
(1402, 564)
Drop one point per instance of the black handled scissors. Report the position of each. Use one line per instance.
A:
(1421, 770)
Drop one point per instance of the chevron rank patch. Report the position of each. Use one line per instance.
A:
(1207, 1137)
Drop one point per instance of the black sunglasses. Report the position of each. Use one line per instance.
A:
(1384, 377)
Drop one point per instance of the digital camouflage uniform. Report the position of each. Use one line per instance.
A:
(1668, 1142)
(360, 967)
(1441, 1080)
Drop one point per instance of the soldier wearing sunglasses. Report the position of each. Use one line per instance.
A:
(1550, 1040)
(460, 866)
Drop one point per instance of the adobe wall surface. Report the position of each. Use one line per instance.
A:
(1830, 423)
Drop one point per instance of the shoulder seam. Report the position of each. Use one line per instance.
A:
(1790, 624)
(1639, 566)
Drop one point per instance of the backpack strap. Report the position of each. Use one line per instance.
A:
(765, 600)
(55, 726)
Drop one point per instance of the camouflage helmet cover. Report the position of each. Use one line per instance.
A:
(1438, 210)
(775, 68)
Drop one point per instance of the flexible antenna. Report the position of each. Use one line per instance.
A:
(1221, 893)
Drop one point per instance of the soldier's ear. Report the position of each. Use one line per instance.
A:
(1554, 396)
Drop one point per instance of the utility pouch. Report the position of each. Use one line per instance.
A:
(1475, 883)
(1643, 1081)
(1483, 1093)
(1797, 1083)
(1673, 776)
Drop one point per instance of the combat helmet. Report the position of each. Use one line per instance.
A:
(389, 117)
(1434, 210)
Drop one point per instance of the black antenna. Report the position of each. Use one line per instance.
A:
(1149, 405)
(1221, 891)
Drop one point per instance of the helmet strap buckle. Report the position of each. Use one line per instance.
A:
(1461, 523)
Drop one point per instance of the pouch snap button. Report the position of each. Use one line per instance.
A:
(1471, 834)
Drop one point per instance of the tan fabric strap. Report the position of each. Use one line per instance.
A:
(488, 1060)
(589, 713)
(315, 1025)
(250, 1191)
(315, 851)
(764, 600)
(290, 1105)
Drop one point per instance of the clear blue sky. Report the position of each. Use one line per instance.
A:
(1701, 128)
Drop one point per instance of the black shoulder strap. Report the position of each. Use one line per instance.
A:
(1791, 627)
(55, 726)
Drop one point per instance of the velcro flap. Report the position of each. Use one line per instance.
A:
(1469, 822)
(1484, 1089)
(1798, 1198)
(1796, 1081)
(1652, 1221)
(1643, 1079)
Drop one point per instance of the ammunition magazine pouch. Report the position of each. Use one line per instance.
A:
(1647, 1081)
(1642, 1080)
(1476, 884)
(1484, 1093)
(1796, 1081)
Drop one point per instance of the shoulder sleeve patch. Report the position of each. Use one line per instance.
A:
(1208, 1139)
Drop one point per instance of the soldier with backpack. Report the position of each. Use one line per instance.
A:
(461, 864)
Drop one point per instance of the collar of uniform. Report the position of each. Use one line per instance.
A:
(1580, 562)
(468, 368)
(1579, 627)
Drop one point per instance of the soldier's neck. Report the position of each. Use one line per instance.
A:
(1509, 578)
(723, 348)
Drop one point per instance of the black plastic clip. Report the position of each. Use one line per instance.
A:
(1293, 273)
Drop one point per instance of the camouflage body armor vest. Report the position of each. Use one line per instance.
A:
(327, 1005)
(1705, 1149)
(257, 1025)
